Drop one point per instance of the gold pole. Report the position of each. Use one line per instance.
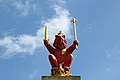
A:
(46, 32)
(74, 25)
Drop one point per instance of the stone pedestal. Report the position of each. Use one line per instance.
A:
(61, 78)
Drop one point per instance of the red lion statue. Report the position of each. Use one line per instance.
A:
(59, 54)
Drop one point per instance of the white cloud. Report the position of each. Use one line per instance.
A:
(88, 27)
(59, 22)
(22, 8)
(27, 44)
(33, 75)
(112, 61)
(113, 53)
(108, 69)
(26, 7)
(16, 45)
(108, 55)
(59, 2)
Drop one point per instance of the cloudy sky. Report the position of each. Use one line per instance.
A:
(23, 55)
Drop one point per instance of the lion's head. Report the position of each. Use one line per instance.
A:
(60, 41)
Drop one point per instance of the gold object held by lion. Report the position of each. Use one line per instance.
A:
(46, 32)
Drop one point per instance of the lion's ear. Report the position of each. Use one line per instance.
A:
(56, 35)
(63, 36)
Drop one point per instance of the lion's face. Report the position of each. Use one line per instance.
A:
(60, 42)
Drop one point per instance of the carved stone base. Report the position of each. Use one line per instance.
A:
(61, 78)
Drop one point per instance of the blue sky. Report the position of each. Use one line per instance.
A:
(23, 55)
